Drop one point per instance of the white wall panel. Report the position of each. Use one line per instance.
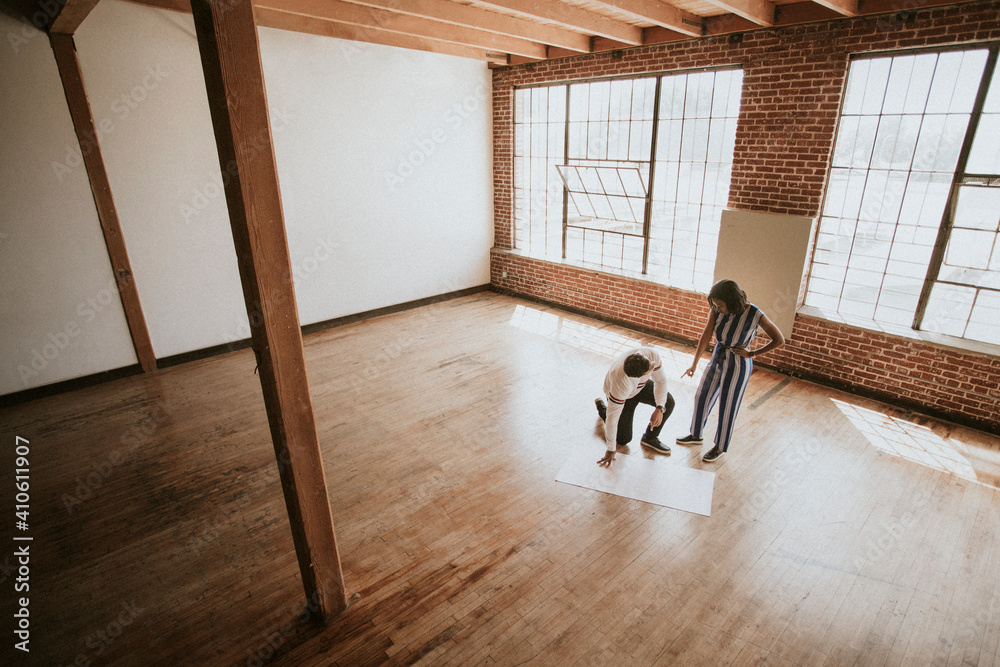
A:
(384, 159)
(144, 80)
(60, 313)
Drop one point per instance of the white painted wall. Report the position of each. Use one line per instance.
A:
(384, 159)
(143, 75)
(385, 162)
(60, 315)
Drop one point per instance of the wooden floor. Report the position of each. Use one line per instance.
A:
(842, 532)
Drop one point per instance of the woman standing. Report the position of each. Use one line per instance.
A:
(734, 322)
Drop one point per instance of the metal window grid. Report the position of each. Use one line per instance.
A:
(611, 131)
(888, 238)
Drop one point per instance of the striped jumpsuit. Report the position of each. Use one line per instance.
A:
(727, 374)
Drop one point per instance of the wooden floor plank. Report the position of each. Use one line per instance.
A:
(442, 430)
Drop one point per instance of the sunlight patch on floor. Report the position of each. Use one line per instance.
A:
(910, 441)
(601, 340)
(583, 336)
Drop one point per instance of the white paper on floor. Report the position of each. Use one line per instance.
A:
(655, 481)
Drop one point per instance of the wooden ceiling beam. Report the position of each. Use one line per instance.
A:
(485, 19)
(70, 17)
(661, 14)
(281, 20)
(546, 30)
(842, 7)
(803, 12)
(602, 44)
(272, 18)
(760, 12)
(572, 18)
(658, 35)
(388, 21)
(727, 23)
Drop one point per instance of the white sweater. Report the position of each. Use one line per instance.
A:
(619, 387)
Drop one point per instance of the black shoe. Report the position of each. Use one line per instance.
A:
(654, 443)
(689, 440)
(602, 410)
(712, 454)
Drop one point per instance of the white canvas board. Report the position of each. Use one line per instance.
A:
(656, 481)
(766, 254)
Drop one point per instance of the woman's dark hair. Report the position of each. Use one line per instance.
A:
(729, 293)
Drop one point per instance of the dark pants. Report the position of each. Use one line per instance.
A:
(628, 412)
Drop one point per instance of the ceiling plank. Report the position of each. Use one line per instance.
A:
(272, 18)
(760, 12)
(475, 17)
(71, 16)
(571, 17)
(661, 14)
(380, 19)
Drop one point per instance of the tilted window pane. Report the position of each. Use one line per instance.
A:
(978, 208)
(983, 320)
(969, 78)
(940, 142)
(984, 158)
(854, 91)
(969, 249)
(898, 143)
(875, 86)
(632, 182)
(859, 151)
(949, 308)
(611, 181)
(919, 82)
(925, 199)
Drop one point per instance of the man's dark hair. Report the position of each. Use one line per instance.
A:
(636, 365)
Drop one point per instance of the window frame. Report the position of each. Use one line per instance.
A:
(958, 177)
(648, 214)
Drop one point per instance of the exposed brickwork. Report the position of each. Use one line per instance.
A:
(503, 170)
(657, 308)
(793, 82)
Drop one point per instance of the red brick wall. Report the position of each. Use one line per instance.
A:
(793, 81)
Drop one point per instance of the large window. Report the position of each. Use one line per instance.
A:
(628, 175)
(908, 234)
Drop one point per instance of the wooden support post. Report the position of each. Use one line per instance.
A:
(64, 49)
(230, 56)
